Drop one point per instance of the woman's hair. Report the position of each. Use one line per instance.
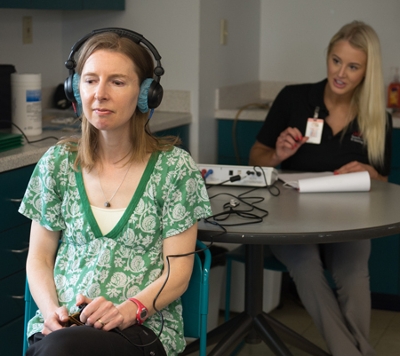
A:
(368, 101)
(143, 142)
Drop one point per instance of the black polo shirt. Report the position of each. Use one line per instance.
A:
(292, 107)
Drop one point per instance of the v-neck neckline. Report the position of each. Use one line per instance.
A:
(129, 209)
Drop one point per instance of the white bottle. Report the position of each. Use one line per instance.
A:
(26, 103)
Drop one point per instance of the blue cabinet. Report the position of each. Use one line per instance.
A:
(14, 242)
(64, 5)
(384, 263)
(395, 169)
(181, 131)
(103, 5)
(15, 4)
(235, 139)
(10, 338)
(56, 5)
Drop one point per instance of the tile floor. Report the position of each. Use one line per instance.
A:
(385, 330)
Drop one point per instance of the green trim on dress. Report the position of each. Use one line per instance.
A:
(130, 208)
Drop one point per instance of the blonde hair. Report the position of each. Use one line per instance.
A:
(143, 142)
(368, 101)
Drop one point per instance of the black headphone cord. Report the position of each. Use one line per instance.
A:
(26, 138)
(159, 292)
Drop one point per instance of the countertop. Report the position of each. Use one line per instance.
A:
(256, 114)
(30, 153)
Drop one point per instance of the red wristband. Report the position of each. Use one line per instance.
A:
(142, 312)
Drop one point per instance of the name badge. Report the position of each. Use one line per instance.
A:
(314, 128)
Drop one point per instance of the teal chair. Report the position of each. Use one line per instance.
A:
(194, 301)
(30, 310)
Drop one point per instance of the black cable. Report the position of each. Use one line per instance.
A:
(26, 138)
(271, 187)
(159, 292)
(247, 213)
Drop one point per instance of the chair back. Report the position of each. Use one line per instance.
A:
(195, 299)
(194, 302)
(30, 310)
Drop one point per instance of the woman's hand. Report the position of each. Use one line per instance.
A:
(288, 142)
(356, 166)
(99, 313)
(55, 321)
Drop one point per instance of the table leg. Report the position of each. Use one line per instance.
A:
(269, 337)
(232, 338)
(254, 280)
(216, 334)
(293, 338)
(253, 324)
(265, 325)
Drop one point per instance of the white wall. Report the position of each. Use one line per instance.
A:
(172, 27)
(43, 55)
(222, 65)
(295, 34)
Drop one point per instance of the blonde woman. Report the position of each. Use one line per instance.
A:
(340, 125)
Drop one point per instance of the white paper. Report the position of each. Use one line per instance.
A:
(350, 182)
(292, 179)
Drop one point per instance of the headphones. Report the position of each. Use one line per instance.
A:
(151, 91)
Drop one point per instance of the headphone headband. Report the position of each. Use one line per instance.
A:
(151, 91)
(122, 32)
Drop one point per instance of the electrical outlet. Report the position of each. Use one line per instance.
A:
(245, 175)
(27, 35)
(223, 32)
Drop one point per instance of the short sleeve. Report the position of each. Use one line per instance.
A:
(182, 192)
(43, 198)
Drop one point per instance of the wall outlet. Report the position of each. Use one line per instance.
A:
(249, 176)
(223, 32)
(27, 35)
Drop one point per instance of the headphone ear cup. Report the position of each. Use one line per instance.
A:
(143, 104)
(75, 87)
(155, 94)
(71, 89)
(68, 90)
(150, 96)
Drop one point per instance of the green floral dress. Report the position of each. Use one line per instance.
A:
(170, 198)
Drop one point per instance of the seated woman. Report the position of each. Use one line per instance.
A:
(107, 210)
(352, 135)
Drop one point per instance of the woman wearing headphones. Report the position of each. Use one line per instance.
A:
(107, 210)
(352, 134)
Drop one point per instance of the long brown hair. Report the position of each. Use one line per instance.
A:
(143, 141)
(368, 101)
